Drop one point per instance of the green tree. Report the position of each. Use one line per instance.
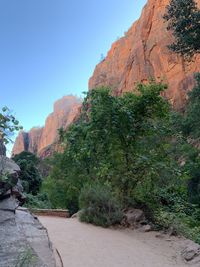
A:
(190, 126)
(183, 17)
(29, 175)
(122, 141)
(8, 125)
(191, 122)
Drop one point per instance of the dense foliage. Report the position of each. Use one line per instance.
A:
(98, 206)
(108, 143)
(133, 144)
(183, 17)
(29, 175)
(39, 201)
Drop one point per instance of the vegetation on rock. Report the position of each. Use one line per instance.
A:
(183, 17)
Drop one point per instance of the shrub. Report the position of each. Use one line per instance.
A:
(40, 201)
(98, 206)
(180, 222)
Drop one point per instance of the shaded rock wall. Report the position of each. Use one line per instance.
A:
(142, 53)
(23, 240)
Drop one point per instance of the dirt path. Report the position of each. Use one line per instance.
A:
(83, 245)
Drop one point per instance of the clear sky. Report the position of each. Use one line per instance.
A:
(49, 48)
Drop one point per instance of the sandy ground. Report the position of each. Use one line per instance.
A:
(83, 245)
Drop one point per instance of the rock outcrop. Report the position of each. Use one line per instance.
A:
(23, 240)
(143, 53)
(43, 141)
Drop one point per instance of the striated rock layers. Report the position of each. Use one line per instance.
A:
(42, 141)
(142, 53)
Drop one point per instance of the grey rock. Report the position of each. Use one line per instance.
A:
(76, 215)
(6, 216)
(22, 237)
(146, 228)
(8, 165)
(133, 217)
(191, 252)
(9, 204)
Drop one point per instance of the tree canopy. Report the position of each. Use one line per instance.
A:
(29, 175)
(183, 17)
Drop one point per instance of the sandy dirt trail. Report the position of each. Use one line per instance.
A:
(84, 245)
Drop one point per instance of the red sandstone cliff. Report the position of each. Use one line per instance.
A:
(142, 53)
(43, 140)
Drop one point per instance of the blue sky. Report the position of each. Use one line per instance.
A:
(49, 48)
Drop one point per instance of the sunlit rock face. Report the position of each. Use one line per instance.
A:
(143, 53)
(41, 141)
(138, 56)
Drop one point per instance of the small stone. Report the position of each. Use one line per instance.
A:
(146, 228)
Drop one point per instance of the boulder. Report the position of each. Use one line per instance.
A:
(133, 217)
(76, 215)
(191, 252)
(24, 240)
(8, 165)
(10, 189)
(146, 228)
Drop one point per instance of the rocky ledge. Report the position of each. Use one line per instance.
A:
(23, 240)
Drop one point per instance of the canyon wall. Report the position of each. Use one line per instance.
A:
(142, 54)
(42, 141)
(138, 56)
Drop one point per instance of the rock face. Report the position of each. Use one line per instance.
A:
(142, 53)
(42, 141)
(191, 253)
(23, 240)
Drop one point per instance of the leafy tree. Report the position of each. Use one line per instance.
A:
(191, 122)
(29, 175)
(8, 125)
(118, 140)
(190, 127)
(183, 17)
(131, 146)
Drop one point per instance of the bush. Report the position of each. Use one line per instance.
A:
(98, 206)
(180, 222)
(40, 201)
(61, 194)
